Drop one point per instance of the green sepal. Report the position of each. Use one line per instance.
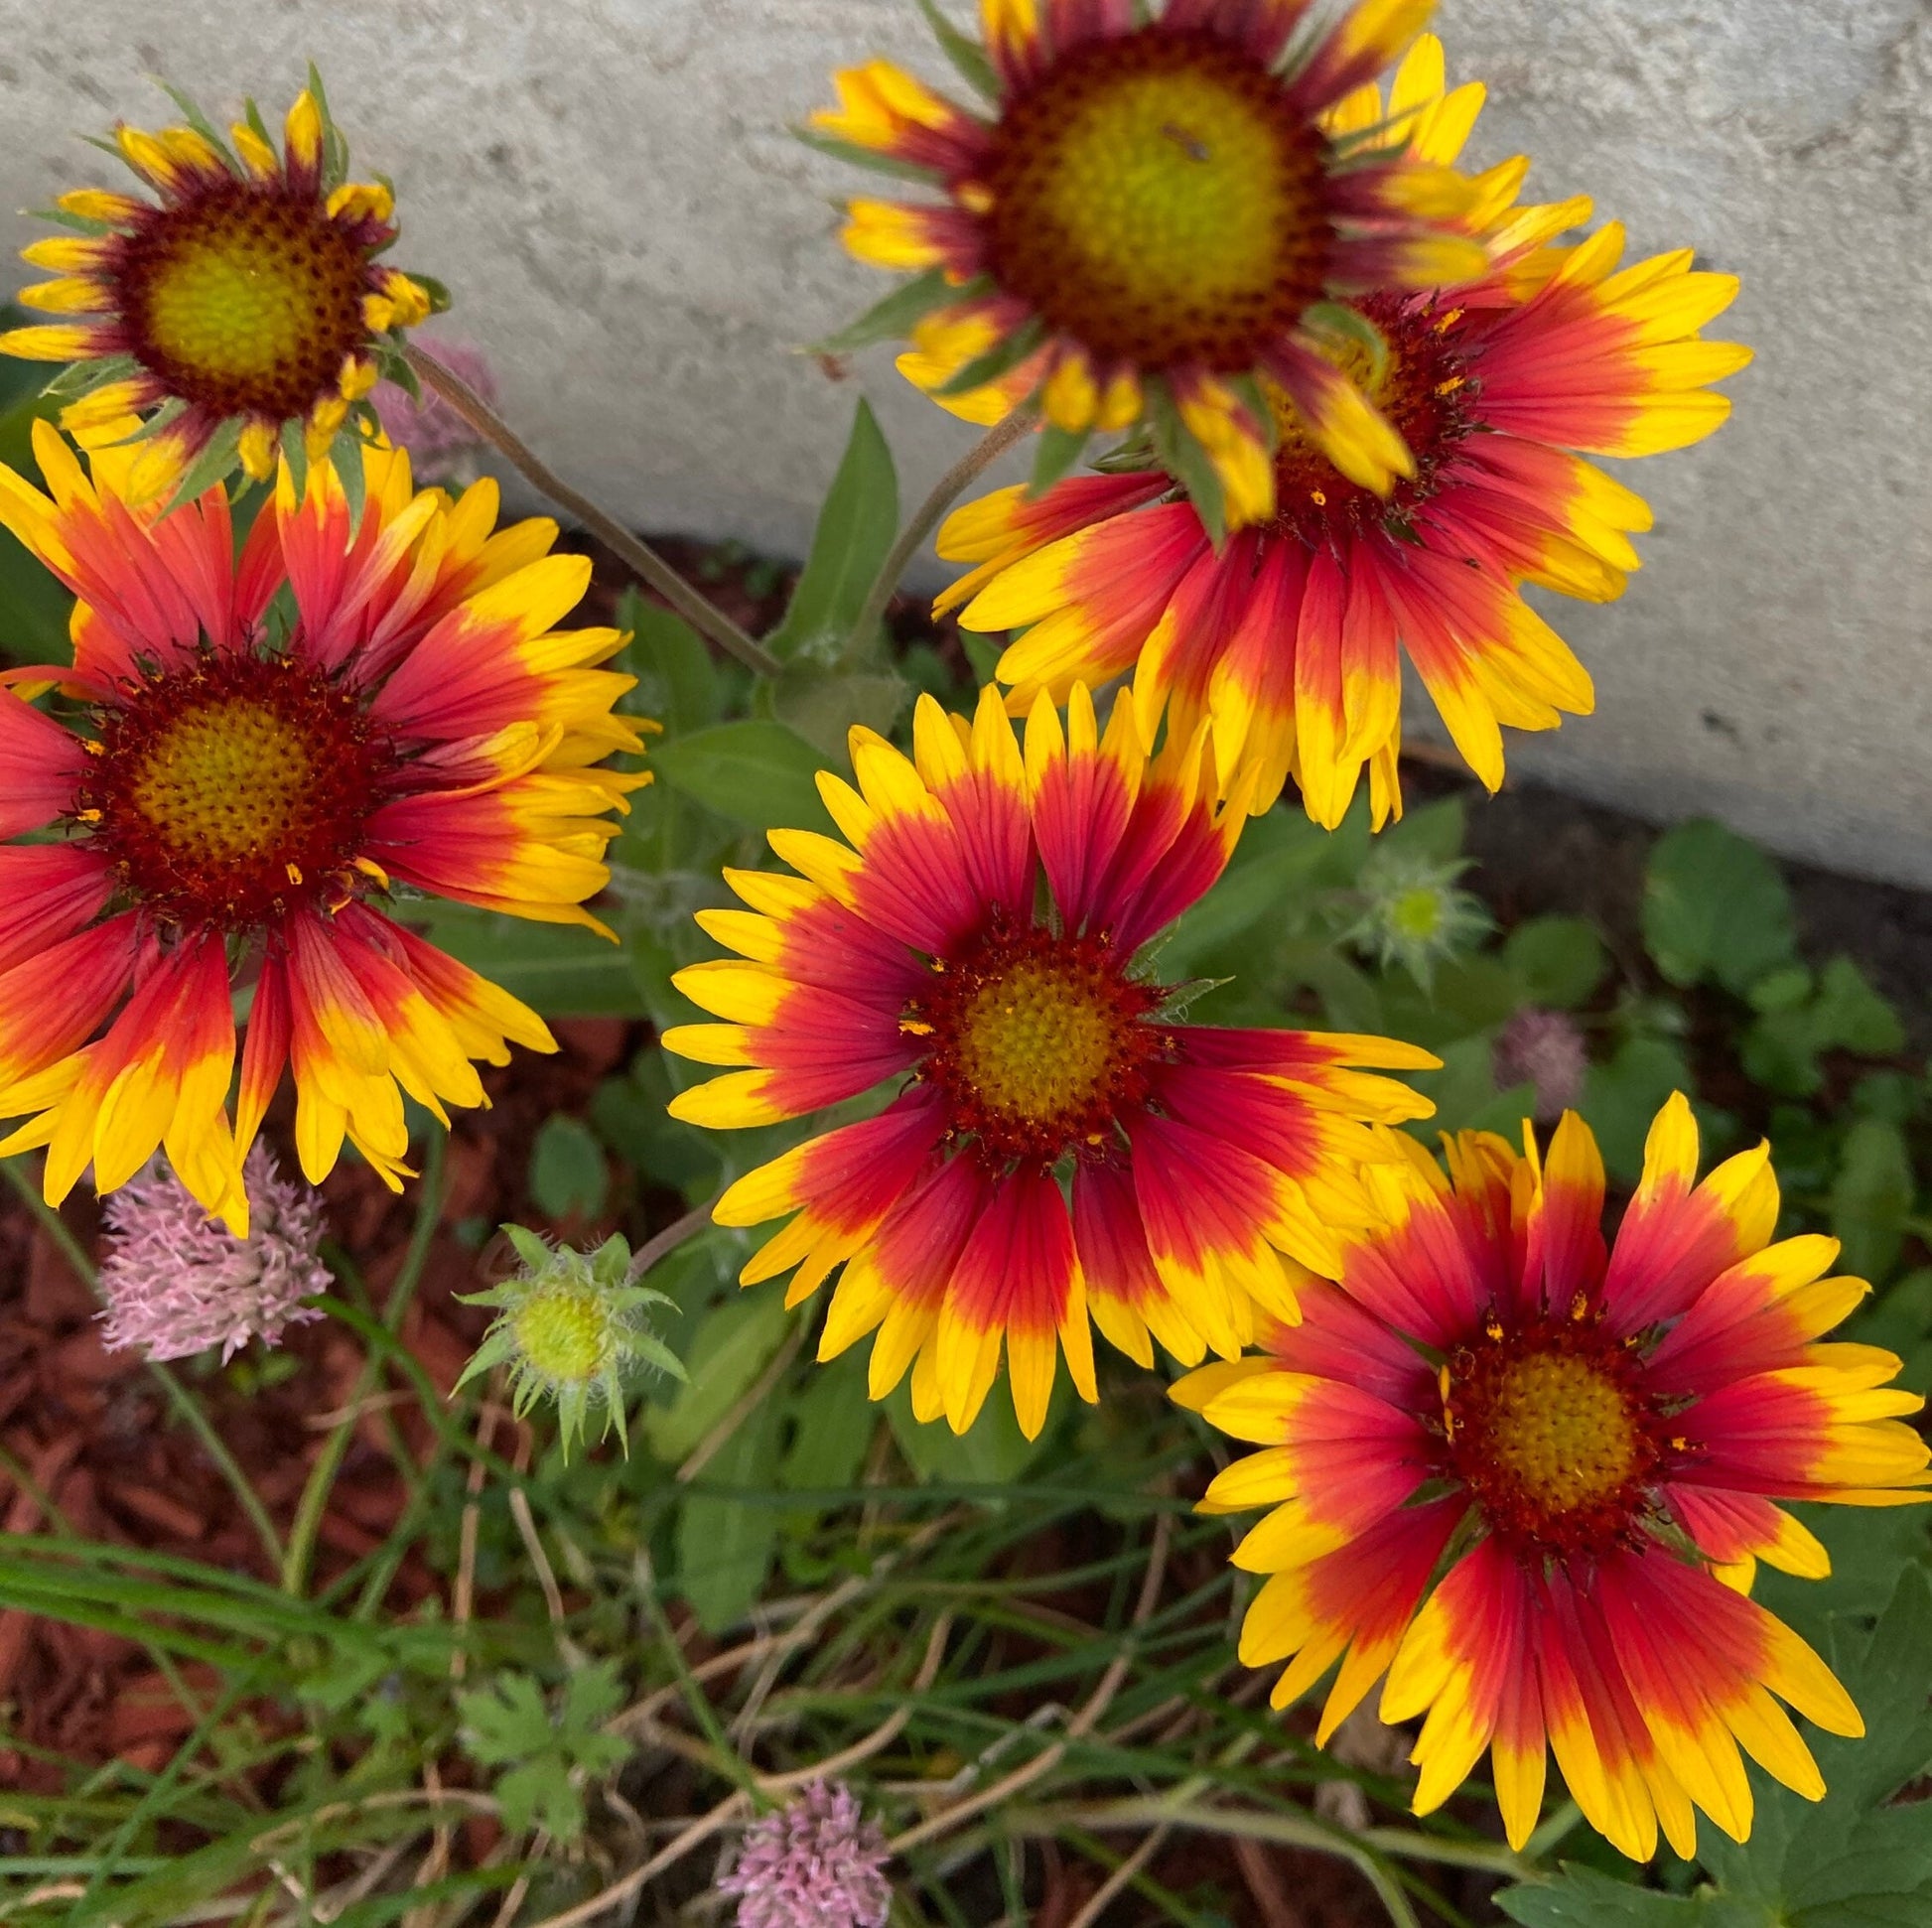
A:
(972, 60)
(199, 122)
(211, 466)
(259, 127)
(1349, 328)
(440, 299)
(867, 158)
(83, 377)
(334, 148)
(170, 410)
(531, 1249)
(80, 223)
(894, 318)
(295, 451)
(1184, 458)
(1057, 453)
(1251, 395)
(346, 453)
(999, 360)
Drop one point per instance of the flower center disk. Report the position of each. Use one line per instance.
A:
(227, 790)
(1423, 389)
(245, 300)
(1554, 1437)
(1154, 197)
(1039, 1042)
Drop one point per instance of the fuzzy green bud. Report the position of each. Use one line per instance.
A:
(571, 1328)
(1414, 915)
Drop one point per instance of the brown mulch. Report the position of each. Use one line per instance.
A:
(94, 1432)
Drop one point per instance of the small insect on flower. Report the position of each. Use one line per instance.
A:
(176, 1281)
(815, 1864)
(248, 297)
(571, 1328)
(1414, 915)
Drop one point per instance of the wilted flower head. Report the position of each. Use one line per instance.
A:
(177, 1282)
(570, 1326)
(816, 1864)
(1543, 1049)
(1414, 915)
(442, 446)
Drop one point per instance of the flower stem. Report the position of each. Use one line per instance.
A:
(699, 610)
(987, 451)
(186, 1407)
(322, 1475)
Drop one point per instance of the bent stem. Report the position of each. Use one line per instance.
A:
(322, 1475)
(699, 610)
(990, 448)
(186, 1408)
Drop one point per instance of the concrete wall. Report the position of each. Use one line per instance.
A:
(607, 187)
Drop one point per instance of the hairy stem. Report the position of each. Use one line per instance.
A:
(953, 484)
(698, 610)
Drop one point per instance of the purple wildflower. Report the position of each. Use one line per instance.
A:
(816, 1864)
(1543, 1049)
(442, 446)
(176, 1281)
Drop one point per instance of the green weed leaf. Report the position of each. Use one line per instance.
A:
(856, 528)
(1715, 907)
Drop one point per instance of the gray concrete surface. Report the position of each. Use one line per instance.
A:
(607, 187)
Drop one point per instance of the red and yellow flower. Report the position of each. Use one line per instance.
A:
(248, 295)
(1289, 637)
(246, 752)
(1060, 1145)
(1154, 217)
(1529, 1477)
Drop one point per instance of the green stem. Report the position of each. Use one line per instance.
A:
(911, 540)
(698, 610)
(186, 1408)
(322, 1475)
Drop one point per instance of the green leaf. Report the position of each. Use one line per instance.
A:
(569, 1177)
(822, 706)
(677, 680)
(724, 1549)
(734, 1344)
(510, 1725)
(1851, 1015)
(1560, 960)
(1715, 906)
(1271, 868)
(1852, 1860)
(856, 528)
(992, 1452)
(1872, 1196)
(758, 773)
(1584, 1898)
(836, 1420)
(558, 970)
(1623, 1096)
